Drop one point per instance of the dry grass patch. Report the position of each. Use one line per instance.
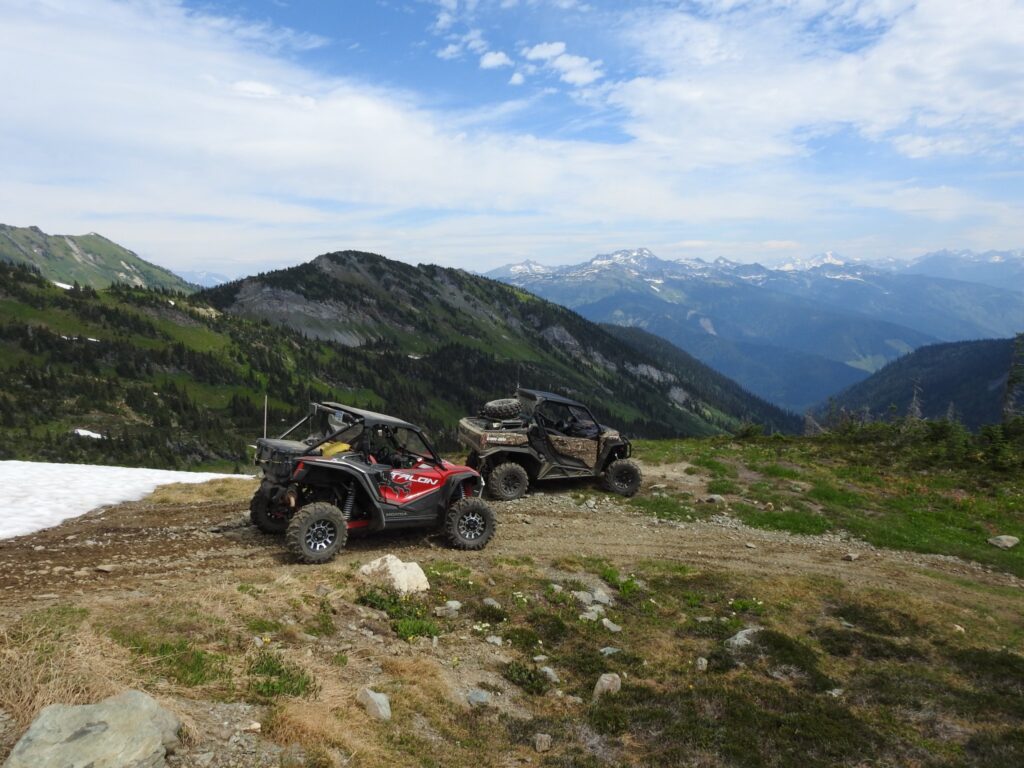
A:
(225, 489)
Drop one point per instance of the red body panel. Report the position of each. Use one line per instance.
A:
(406, 485)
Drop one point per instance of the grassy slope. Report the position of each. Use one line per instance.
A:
(891, 489)
(91, 259)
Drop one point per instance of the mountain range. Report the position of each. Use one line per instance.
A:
(90, 260)
(795, 334)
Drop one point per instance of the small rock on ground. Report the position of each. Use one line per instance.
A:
(377, 705)
(610, 625)
(607, 683)
(542, 742)
(1004, 541)
(742, 639)
(478, 698)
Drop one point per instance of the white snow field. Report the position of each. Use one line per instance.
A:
(40, 495)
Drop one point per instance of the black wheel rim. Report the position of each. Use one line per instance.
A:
(471, 526)
(623, 479)
(321, 535)
(511, 485)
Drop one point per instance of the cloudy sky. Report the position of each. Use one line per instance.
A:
(237, 135)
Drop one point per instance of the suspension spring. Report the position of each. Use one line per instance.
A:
(350, 500)
(460, 492)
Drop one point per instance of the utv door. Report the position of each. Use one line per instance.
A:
(572, 434)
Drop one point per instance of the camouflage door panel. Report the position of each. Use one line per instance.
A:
(579, 448)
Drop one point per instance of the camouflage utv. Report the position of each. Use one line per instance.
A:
(535, 436)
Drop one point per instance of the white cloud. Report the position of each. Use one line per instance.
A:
(576, 70)
(544, 51)
(494, 60)
(517, 79)
(194, 138)
(450, 51)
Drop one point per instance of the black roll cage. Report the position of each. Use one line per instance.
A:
(368, 419)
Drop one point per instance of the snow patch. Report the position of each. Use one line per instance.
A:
(65, 286)
(40, 495)
(88, 433)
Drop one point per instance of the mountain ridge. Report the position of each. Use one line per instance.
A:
(91, 260)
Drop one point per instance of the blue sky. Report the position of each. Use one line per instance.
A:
(243, 135)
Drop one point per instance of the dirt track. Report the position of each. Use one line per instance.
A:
(161, 547)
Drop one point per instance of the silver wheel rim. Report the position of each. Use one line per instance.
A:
(471, 525)
(320, 535)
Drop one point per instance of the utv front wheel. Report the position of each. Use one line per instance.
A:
(264, 517)
(622, 477)
(508, 481)
(317, 532)
(470, 524)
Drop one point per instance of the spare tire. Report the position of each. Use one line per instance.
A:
(505, 408)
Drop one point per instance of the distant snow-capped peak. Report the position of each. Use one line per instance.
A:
(634, 257)
(529, 267)
(826, 259)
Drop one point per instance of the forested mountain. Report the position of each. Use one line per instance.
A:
(969, 376)
(793, 335)
(90, 260)
(157, 378)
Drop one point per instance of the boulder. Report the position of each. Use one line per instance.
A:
(478, 698)
(449, 610)
(377, 705)
(607, 683)
(714, 498)
(550, 674)
(702, 664)
(129, 730)
(490, 602)
(542, 742)
(404, 578)
(1004, 541)
(584, 597)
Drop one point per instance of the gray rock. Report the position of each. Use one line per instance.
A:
(376, 704)
(608, 683)
(449, 610)
(609, 650)
(584, 597)
(494, 640)
(590, 615)
(714, 498)
(591, 504)
(478, 698)
(106, 568)
(322, 590)
(129, 730)
(610, 625)
(540, 658)
(542, 742)
(556, 588)
(490, 602)
(750, 545)
(851, 556)
(1004, 541)
(550, 674)
(742, 639)
(702, 664)
(602, 597)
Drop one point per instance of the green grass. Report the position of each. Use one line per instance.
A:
(178, 659)
(271, 676)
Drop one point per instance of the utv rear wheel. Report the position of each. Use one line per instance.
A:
(508, 481)
(317, 532)
(470, 524)
(265, 517)
(505, 408)
(622, 477)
